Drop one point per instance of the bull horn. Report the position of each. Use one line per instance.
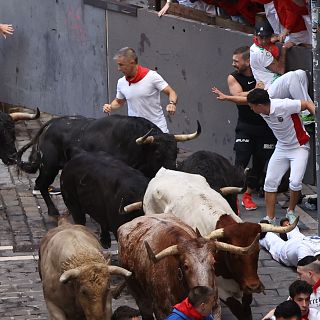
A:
(230, 190)
(146, 139)
(187, 137)
(170, 251)
(120, 271)
(24, 115)
(219, 233)
(69, 275)
(265, 227)
(133, 207)
(235, 249)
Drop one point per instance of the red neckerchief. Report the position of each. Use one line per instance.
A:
(141, 73)
(188, 309)
(272, 48)
(316, 286)
(306, 317)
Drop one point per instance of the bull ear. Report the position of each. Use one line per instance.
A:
(70, 275)
(198, 233)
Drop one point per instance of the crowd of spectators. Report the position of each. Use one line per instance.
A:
(290, 19)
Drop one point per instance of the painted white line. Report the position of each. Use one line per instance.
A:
(19, 258)
(6, 248)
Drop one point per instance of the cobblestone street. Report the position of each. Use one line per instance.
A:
(24, 221)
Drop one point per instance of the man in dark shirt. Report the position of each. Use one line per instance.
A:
(253, 137)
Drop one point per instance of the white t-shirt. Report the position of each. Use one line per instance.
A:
(315, 299)
(143, 98)
(286, 124)
(260, 59)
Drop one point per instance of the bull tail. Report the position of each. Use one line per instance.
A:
(33, 164)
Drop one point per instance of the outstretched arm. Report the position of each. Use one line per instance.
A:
(223, 97)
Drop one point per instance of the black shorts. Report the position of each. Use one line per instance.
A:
(253, 143)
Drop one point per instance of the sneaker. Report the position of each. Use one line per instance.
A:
(247, 202)
(269, 220)
(52, 190)
(291, 216)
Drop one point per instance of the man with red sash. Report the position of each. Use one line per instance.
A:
(309, 271)
(268, 66)
(140, 88)
(197, 306)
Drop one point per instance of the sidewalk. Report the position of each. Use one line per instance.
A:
(24, 221)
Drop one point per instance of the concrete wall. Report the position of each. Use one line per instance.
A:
(56, 59)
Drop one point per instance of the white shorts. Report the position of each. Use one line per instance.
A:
(281, 160)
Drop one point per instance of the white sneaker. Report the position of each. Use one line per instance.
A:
(271, 221)
(291, 216)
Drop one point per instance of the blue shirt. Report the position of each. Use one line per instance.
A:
(178, 315)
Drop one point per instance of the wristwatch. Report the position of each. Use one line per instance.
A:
(173, 102)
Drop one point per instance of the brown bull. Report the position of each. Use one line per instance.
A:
(184, 260)
(75, 274)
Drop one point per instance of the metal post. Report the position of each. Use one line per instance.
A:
(315, 11)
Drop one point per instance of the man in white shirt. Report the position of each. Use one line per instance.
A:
(141, 88)
(268, 66)
(309, 271)
(292, 149)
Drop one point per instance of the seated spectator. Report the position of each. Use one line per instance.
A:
(299, 292)
(309, 271)
(126, 313)
(289, 19)
(203, 5)
(197, 306)
(6, 29)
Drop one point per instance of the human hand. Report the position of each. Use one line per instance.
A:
(283, 35)
(288, 45)
(6, 29)
(171, 109)
(107, 108)
(164, 10)
(220, 95)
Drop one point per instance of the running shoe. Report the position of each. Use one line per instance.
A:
(291, 216)
(247, 202)
(269, 220)
(52, 190)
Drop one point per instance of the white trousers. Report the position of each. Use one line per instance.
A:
(290, 252)
(280, 161)
(292, 84)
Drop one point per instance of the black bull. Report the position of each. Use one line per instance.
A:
(8, 149)
(117, 135)
(99, 185)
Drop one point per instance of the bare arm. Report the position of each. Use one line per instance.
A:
(235, 87)
(173, 98)
(279, 66)
(115, 104)
(308, 105)
(223, 97)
